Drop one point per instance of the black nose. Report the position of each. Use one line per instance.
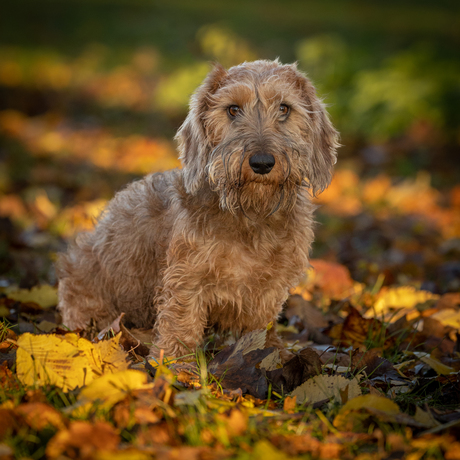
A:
(262, 163)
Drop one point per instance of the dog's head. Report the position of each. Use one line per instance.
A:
(256, 133)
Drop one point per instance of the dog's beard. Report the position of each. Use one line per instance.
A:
(257, 198)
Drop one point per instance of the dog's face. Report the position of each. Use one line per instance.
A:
(255, 134)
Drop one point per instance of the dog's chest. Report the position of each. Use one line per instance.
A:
(254, 262)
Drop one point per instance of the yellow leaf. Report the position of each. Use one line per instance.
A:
(371, 401)
(111, 388)
(66, 361)
(355, 412)
(425, 418)
(323, 387)
(401, 297)
(448, 317)
(45, 295)
(263, 450)
(438, 366)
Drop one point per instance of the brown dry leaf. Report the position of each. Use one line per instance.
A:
(290, 404)
(449, 300)
(374, 366)
(305, 364)
(356, 330)
(310, 316)
(8, 381)
(39, 416)
(125, 454)
(330, 278)
(306, 444)
(324, 387)
(128, 413)
(9, 422)
(237, 364)
(236, 422)
(128, 341)
(160, 434)
(66, 361)
(83, 440)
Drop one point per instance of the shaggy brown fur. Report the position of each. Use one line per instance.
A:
(215, 244)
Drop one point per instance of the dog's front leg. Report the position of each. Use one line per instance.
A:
(181, 318)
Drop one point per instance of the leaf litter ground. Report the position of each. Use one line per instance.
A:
(373, 374)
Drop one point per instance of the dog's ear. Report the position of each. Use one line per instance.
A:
(320, 135)
(194, 146)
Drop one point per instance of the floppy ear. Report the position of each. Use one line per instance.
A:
(320, 135)
(194, 146)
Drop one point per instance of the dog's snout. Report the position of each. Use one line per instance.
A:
(262, 163)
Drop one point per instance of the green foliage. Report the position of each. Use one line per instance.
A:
(383, 100)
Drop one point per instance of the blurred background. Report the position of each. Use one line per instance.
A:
(93, 91)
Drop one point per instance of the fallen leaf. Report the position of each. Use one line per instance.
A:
(310, 316)
(272, 361)
(305, 364)
(326, 387)
(45, 296)
(111, 388)
(39, 416)
(375, 367)
(125, 454)
(330, 278)
(236, 364)
(128, 413)
(290, 404)
(425, 418)
(399, 297)
(356, 414)
(264, 450)
(128, 341)
(188, 398)
(83, 440)
(438, 366)
(356, 330)
(66, 361)
(9, 422)
(448, 317)
(306, 444)
(449, 300)
(8, 381)
(236, 422)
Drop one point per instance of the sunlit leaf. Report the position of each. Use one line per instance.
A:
(111, 388)
(400, 297)
(44, 295)
(66, 361)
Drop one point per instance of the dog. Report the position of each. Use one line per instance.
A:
(218, 243)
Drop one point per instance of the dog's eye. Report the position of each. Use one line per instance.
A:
(233, 111)
(284, 110)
